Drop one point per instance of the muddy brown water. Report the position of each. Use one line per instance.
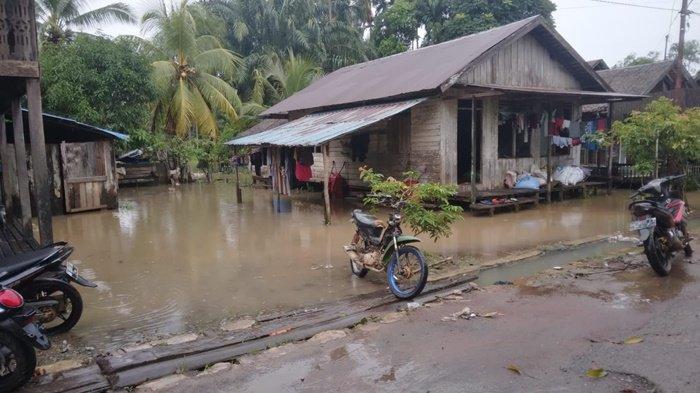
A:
(173, 261)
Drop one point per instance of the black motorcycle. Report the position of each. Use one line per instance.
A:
(19, 335)
(44, 278)
(661, 219)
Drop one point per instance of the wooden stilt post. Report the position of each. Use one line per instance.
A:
(39, 167)
(610, 166)
(326, 191)
(549, 169)
(9, 173)
(472, 178)
(239, 195)
(22, 172)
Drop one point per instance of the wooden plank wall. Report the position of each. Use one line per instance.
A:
(408, 141)
(525, 63)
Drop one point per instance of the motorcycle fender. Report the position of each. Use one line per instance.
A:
(401, 240)
(30, 334)
(80, 280)
(62, 275)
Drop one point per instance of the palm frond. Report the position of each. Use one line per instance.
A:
(217, 61)
(115, 12)
(182, 110)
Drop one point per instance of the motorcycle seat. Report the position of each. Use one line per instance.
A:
(366, 219)
(19, 262)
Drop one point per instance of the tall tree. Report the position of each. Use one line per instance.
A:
(56, 18)
(396, 28)
(691, 54)
(191, 77)
(98, 81)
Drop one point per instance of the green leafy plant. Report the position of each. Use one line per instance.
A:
(677, 133)
(426, 207)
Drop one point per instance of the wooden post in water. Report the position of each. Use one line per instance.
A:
(22, 172)
(239, 195)
(472, 177)
(549, 169)
(9, 174)
(39, 167)
(326, 191)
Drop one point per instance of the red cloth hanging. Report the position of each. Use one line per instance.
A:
(602, 124)
(302, 172)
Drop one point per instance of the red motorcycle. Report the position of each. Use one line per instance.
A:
(661, 219)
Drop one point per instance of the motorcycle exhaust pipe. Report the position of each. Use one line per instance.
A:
(350, 250)
(676, 243)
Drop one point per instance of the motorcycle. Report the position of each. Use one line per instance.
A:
(661, 220)
(44, 280)
(380, 247)
(19, 335)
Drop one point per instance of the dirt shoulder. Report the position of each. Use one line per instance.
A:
(638, 331)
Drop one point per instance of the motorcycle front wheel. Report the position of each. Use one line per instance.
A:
(17, 362)
(407, 274)
(658, 259)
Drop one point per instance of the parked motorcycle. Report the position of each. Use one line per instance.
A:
(44, 278)
(661, 219)
(19, 335)
(380, 246)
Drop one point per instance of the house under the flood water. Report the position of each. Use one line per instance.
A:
(461, 112)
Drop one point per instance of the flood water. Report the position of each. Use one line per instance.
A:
(173, 261)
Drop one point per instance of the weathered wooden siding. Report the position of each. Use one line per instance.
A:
(524, 62)
(412, 143)
(494, 168)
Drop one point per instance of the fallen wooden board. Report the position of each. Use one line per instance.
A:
(140, 366)
(80, 380)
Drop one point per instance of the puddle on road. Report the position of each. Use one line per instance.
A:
(174, 261)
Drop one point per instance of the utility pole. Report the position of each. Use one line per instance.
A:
(679, 57)
(666, 48)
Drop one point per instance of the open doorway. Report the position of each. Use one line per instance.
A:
(464, 140)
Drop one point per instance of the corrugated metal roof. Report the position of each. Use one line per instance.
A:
(415, 71)
(593, 95)
(318, 128)
(264, 125)
(86, 127)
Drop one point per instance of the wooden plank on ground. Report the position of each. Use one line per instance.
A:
(81, 380)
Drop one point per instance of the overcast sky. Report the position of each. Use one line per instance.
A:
(594, 29)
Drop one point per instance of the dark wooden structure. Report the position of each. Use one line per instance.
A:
(19, 77)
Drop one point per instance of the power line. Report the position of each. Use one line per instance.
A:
(637, 5)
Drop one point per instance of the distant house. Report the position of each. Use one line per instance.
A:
(461, 112)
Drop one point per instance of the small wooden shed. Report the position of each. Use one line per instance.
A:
(80, 158)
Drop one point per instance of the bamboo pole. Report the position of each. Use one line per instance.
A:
(326, 191)
(39, 167)
(22, 172)
(472, 178)
(239, 195)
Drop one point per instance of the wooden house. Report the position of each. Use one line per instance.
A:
(19, 77)
(461, 112)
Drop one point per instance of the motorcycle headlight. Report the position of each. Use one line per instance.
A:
(396, 217)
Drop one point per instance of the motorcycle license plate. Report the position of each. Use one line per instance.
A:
(643, 224)
(72, 270)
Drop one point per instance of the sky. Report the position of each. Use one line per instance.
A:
(594, 29)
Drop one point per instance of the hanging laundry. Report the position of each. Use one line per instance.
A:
(590, 126)
(602, 124)
(561, 142)
(302, 172)
(566, 123)
(575, 141)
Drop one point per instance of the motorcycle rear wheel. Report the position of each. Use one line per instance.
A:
(66, 315)
(659, 260)
(409, 257)
(20, 362)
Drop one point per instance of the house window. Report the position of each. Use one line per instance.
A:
(516, 124)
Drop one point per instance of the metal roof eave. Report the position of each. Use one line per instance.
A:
(582, 94)
(319, 128)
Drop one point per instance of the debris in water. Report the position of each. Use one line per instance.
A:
(503, 282)
(557, 267)
(465, 313)
(633, 340)
(514, 369)
(492, 314)
(596, 373)
(412, 305)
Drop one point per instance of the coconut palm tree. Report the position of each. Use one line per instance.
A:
(56, 18)
(191, 77)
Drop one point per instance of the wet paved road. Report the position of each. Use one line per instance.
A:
(554, 328)
(174, 261)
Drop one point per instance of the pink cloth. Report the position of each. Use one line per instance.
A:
(302, 172)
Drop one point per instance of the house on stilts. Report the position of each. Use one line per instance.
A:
(461, 112)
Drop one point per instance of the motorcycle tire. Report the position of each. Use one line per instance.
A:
(44, 290)
(24, 362)
(393, 266)
(357, 270)
(688, 251)
(660, 262)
